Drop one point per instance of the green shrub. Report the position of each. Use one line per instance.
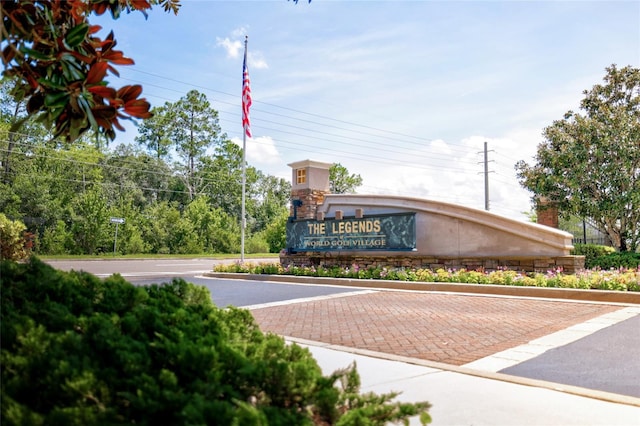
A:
(13, 242)
(55, 239)
(78, 350)
(276, 233)
(591, 252)
(617, 260)
(256, 243)
(133, 242)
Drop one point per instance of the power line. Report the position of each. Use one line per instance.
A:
(347, 154)
(226, 180)
(358, 155)
(396, 146)
(257, 101)
(398, 140)
(289, 109)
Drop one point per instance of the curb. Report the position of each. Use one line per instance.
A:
(570, 294)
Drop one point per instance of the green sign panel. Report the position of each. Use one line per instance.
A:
(383, 232)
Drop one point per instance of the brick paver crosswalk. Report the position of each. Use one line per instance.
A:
(449, 328)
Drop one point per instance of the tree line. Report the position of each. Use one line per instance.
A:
(178, 187)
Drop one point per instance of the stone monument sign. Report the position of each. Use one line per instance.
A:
(375, 230)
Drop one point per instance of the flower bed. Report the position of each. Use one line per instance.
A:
(619, 279)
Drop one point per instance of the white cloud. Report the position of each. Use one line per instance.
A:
(458, 179)
(441, 146)
(261, 151)
(257, 61)
(240, 32)
(232, 47)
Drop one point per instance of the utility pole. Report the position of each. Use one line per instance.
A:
(486, 177)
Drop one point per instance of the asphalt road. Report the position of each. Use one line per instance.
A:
(141, 268)
(607, 360)
(239, 293)
(245, 293)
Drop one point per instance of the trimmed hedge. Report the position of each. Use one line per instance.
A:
(617, 260)
(605, 257)
(78, 350)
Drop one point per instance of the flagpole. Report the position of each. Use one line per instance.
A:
(243, 222)
(244, 184)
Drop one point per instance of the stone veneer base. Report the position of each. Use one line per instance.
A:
(568, 264)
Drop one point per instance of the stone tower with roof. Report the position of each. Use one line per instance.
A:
(309, 185)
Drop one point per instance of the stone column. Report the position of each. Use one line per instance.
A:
(309, 185)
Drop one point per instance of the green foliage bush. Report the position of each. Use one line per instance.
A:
(591, 252)
(55, 239)
(276, 233)
(617, 260)
(605, 257)
(256, 243)
(13, 242)
(78, 350)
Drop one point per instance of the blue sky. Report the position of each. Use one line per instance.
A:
(403, 93)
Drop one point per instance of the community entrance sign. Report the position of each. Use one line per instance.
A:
(392, 232)
(375, 231)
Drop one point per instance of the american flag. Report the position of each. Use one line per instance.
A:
(246, 95)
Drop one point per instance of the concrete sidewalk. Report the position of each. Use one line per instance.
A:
(462, 396)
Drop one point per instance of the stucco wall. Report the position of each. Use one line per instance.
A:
(450, 230)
